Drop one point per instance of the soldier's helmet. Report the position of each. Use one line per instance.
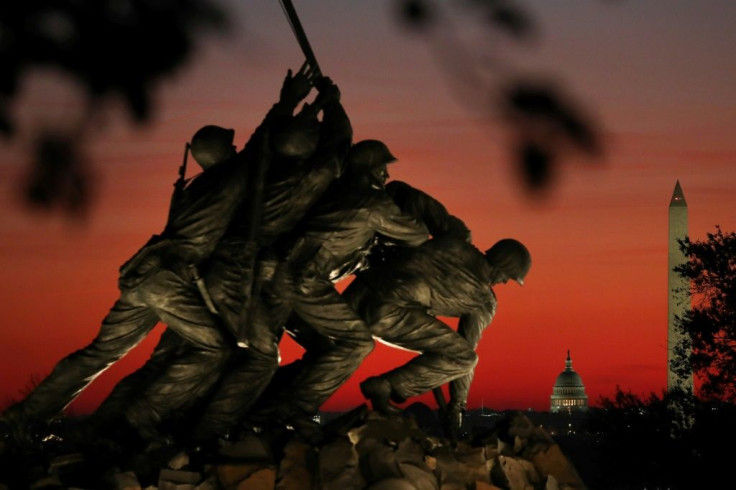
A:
(511, 257)
(296, 137)
(211, 145)
(365, 155)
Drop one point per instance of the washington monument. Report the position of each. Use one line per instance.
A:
(678, 302)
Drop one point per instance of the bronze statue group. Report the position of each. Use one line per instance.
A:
(251, 251)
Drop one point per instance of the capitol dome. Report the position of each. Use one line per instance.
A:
(569, 391)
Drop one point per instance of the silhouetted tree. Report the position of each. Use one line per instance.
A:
(708, 346)
(670, 441)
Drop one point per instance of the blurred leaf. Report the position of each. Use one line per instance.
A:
(536, 105)
(108, 45)
(113, 49)
(512, 19)
(535, 162)
(581, 132)
(6, 127)
(58, 177)
(416, 13)
(139, 102)
(505, 15)
(533, 100)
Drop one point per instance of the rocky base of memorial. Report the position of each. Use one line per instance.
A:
(358, 450)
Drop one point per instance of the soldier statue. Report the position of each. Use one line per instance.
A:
(160, 283)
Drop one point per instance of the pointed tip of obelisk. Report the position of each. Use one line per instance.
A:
(678, 197)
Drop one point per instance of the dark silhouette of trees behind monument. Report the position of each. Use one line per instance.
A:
(669, 441)
(675, 440)
(122, 49)
(708, 345)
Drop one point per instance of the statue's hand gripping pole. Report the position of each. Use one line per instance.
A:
(252, 288)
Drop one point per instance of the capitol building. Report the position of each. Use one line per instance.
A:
(569, 392)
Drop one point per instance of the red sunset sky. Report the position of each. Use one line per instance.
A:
(660, 78)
